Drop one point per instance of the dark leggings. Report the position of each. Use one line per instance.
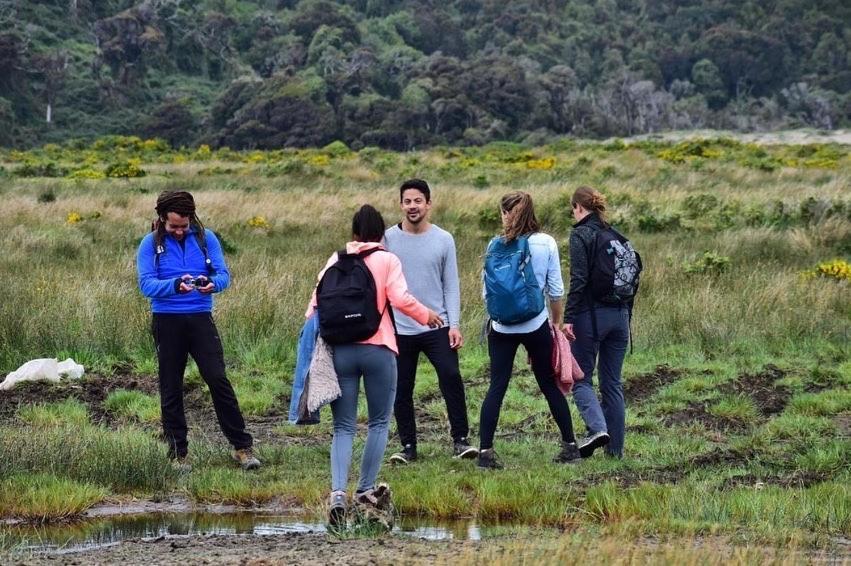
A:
(502, 349)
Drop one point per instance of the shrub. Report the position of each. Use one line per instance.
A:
(481, 182)
(47, 196)
(543, 164)
(336, 149)
(489, 219)
(36, 169)
(258, 222)
(124, 169)
(697, 206)
(650, 222)
(835, 269)
(87, 173)
(709, 263)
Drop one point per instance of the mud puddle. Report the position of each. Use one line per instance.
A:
(105, 532)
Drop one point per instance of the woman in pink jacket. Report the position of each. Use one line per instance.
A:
(375, 360)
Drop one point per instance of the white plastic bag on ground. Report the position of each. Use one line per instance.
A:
(70, 369)
(43, 369)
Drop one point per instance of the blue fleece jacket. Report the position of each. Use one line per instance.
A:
(158, 282)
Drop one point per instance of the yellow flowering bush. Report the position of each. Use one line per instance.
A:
(821, 163)
(125, 169)
(255, 157)
(87, 173)
(835, 269)
(319, 160)
(155, 145)
(203, 152)
(73, 217)
(542, 164)
(258, 222)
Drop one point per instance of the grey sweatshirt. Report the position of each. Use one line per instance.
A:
(431, 270)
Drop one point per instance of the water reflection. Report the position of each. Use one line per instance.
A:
(104, 532)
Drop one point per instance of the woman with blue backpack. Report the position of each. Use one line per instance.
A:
(521, 275)
(604, 270)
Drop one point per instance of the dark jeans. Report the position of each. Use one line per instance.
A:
(176, 337)
(607, 354)
(435, 345)
(502, 349)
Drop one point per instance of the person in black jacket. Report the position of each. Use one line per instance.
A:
(603, 346)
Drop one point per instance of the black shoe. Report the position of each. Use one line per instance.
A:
(406, 456)
(591, 442)
(569, 454)
(462, 449)
(487, 459)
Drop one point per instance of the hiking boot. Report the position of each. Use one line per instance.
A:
(337, 509)
(488, 460)
(246, 459)
(375, 506)
(462, 449)
(591, 442)
(406, 456)
(569, 454)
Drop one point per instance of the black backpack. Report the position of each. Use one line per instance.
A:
(347, 300)
(615, 268)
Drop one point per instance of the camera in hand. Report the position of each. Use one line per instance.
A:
(199, 281)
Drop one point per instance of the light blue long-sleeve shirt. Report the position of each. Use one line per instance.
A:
(157, 278)
(545, 264)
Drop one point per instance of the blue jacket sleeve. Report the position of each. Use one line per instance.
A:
(219, 269)
(146, 271)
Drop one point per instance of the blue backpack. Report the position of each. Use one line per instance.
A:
(512, 292)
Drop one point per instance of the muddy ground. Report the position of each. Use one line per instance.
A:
(298, 548)
(762, 388)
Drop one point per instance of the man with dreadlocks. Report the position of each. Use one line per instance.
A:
(180, 265)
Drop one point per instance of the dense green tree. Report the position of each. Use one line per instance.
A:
(172, 121)
(405, 73)
(707, 78)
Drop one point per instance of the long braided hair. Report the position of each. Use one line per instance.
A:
(179, 202)
(523, 220)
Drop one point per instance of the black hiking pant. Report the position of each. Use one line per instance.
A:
(435, 345)
(502, 348)
(176, 337)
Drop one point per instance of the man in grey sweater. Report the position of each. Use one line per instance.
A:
(428, 260)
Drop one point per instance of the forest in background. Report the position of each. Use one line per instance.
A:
(400, 74)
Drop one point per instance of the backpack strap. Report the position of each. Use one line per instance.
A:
(362, 255)
(592, 254)
(200, 239)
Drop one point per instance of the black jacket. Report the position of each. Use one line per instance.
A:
(581, 241)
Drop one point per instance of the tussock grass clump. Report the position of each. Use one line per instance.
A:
(43, 497)
(824, 508)
(133, 405)
(126, 460)
(69, 412)
(223, 485)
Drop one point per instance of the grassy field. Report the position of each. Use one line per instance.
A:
(739, 406)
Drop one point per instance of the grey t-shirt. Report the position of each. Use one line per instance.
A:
(431, 270)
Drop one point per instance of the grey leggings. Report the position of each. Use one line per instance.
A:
(377, 365)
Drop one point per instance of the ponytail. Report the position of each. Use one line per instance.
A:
(591, 200)
(523, 220)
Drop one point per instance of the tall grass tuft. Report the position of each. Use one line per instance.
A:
(124, 460)
(43, 497)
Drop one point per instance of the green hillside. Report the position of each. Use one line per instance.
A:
(402, 74)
